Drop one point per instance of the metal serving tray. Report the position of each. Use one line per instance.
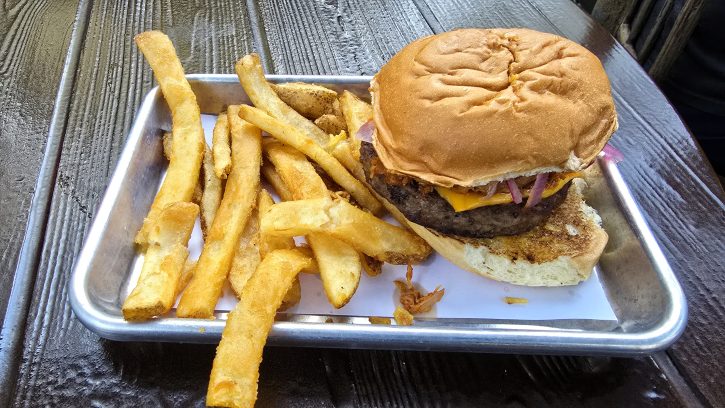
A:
(645, 295)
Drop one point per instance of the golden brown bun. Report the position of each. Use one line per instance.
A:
(562, 251)
(476, 105)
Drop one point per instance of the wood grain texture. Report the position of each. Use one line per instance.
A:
(34, 38)
(668, 175)
(427, 379)
(63, 363)
(338, 37)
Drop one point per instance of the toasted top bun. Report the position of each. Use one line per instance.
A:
(472, 106)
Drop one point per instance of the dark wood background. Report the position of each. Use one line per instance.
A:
(70, 82)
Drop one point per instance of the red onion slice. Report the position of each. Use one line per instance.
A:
(365, 133)
(537, 189)
(515, 192)
(611, 153)
(491, 189)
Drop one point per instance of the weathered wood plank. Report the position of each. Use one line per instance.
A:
(33, 42)
(338, 37)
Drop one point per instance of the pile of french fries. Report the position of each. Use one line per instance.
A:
(248, 238)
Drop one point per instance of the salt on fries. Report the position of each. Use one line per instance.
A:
(293, 137)
(166, 255)
(338, 262)
(235, 372)
(182, 174)
(342, 220)
(200, 297)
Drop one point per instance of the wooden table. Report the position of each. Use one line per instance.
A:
(70, 82)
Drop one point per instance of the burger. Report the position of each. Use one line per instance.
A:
(478, 141)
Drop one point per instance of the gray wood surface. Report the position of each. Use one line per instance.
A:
(33, 42)
(64, 364)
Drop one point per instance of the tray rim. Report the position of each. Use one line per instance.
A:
(501, 337)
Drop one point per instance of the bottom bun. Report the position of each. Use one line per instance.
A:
(561, 251)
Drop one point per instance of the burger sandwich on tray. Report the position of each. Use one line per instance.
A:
(478, 142)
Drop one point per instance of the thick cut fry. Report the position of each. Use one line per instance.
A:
(339, 267)
(309, 100)
(182, 174)
(371, 266)
(355, 111)
(268, 243)
(340, 219)
(168, 143)
(251, 76)
(272, 177)
(186, 275)
(250, 73)
(200, 297)
(235, 372)
(246, 256)
(252, 248)
(338, 263)
(221, 149)
(344, 152)
(331, 123)
(292, 137)
(198, 196)
(166, 254)
(296, 172)
(293, 295)
(211, 193)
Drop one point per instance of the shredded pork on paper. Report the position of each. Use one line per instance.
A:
(412, 299)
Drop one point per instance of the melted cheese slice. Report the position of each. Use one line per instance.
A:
(468, 201)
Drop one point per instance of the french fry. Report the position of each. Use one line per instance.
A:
(340, 219)
(331, 123)
(211, 192)
(293, 295)
(221, 149)
(155, 291)
(292, 137)
(186, 274)
(338, 262)
(200, 297)
(269, 243)
(182, 174)
(309, 100)
(272, 177)
(235, 372)
(371, 266)
(355, 111)
(251, 76)
(196, 197)
(252, 248)
(246, 255)
(168, 142)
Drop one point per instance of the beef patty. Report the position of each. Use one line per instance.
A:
(421, 204)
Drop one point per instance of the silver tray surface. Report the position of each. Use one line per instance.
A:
(645, 295)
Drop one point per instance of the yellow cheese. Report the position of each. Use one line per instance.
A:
(468, 201)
